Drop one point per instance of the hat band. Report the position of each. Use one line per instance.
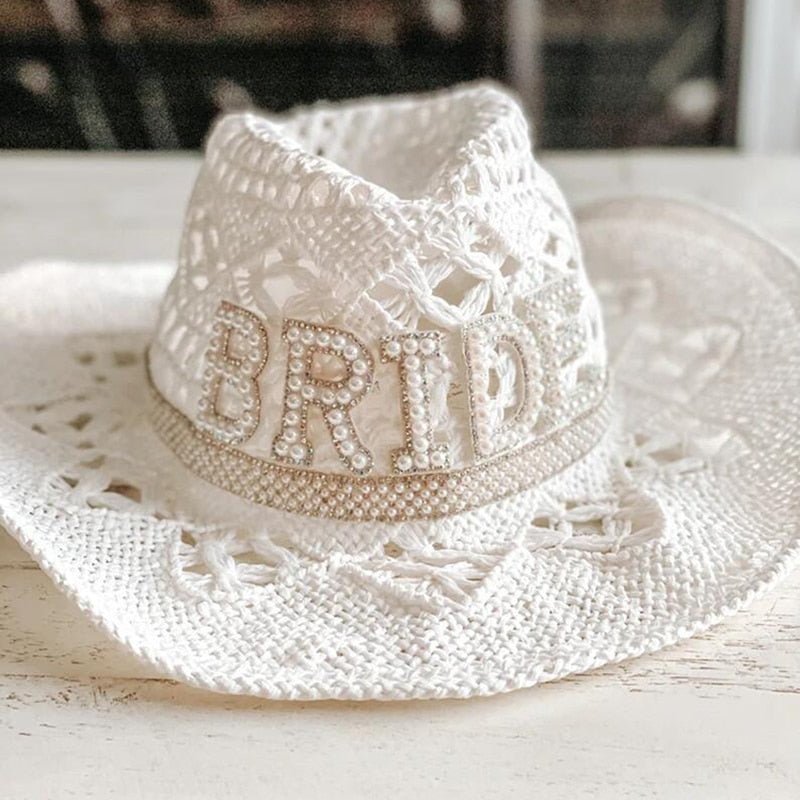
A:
(392, 498)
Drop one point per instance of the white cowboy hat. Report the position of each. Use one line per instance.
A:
(373, 441)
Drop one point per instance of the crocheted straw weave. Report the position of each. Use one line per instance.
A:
(678, 515)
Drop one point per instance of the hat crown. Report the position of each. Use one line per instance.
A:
(379, 288)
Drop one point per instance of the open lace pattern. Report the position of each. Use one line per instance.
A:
(678, 516)
(376, 241)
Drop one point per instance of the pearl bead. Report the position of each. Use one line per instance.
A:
(416, 395)
(392, 349)
(428, 345)
(419, 427)
(416, 411)
(359, 461)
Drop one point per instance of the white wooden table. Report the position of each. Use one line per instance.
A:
(717, 717)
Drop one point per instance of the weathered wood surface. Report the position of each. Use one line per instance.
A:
(715, 717)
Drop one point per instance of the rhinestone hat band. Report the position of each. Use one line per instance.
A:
(393, 498)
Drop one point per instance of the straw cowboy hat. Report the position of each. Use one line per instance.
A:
(396, 426)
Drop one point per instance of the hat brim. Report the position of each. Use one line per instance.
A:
(675, 522)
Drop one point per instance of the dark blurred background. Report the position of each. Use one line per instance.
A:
(120, 74)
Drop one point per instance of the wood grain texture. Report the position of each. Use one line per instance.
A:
(718, 716)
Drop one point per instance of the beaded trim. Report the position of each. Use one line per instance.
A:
(394, 498)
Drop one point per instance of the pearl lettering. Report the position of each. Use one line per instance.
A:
(230, 403)
(491, 431)
(313, 349)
